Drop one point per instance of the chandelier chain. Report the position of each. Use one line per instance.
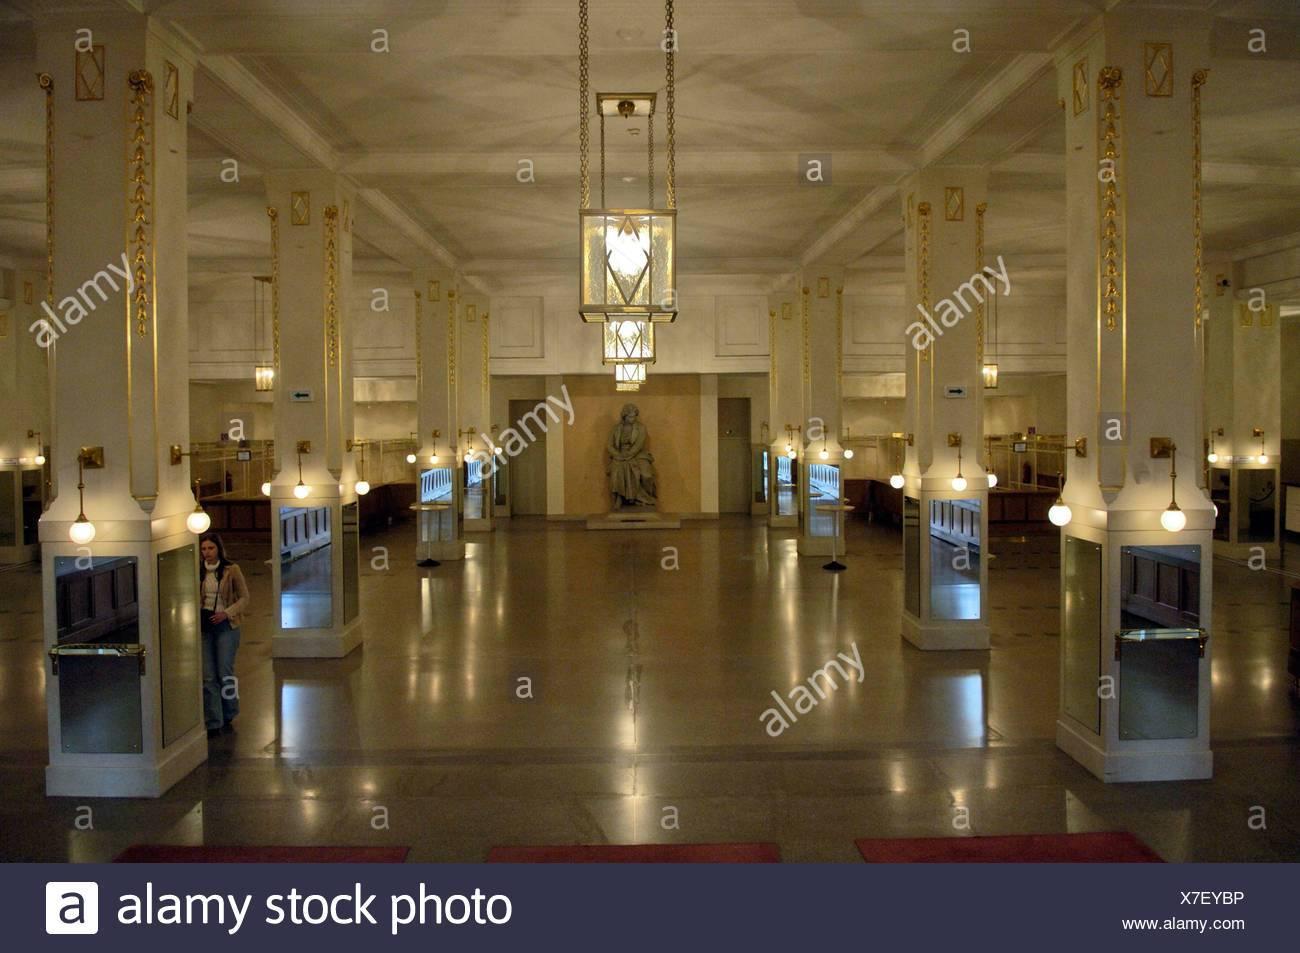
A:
(584, 126)
(670, 44)
(650, 178)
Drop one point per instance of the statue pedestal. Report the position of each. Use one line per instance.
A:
(634, 519)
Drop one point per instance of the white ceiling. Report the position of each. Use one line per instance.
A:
(434, 130)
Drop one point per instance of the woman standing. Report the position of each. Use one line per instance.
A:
(224, 597)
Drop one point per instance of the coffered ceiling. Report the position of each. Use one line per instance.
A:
(435, 130)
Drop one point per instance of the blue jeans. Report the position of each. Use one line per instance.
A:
(220, 689)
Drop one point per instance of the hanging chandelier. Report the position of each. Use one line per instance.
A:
(990, 368)
(628, 269)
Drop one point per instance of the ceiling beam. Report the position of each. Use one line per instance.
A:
(248, 89)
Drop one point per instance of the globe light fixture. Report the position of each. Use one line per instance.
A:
(993, 479)
(1263, 452)
(302, 490)
(959, 481)
(198, 521)
(362, 486)
(410, 457)
(39, 458)
(1173, 519)
(848, 452)
(1060, 513)
(82, 530)
(897, 481)
(266, 488)
(824, 455)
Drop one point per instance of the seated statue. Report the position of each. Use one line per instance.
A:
(630, 467)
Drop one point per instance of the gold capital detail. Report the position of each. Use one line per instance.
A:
(332, 284)
(140, 200)
(451, 337)
(419, 345)
(1111, 256)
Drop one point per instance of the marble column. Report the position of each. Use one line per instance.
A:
(1243, 424)
(474, 397)
(25, 426)
(822, 348)
(313, 495)
(126, 722)
(1130, 709)
(945, 498)
(785, 406)
(439, 492)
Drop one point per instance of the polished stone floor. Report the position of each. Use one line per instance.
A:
(648, 683)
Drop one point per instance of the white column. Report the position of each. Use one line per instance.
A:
(25, 427)
(785, 406)
(311, 218)
(1135, 710)
(474, 393)
(1243, 421)
(119, 353)
(438, 486)
(821, 463)
(945, 522)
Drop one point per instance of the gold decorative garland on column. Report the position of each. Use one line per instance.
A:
(980, 209)
(1198, 80)
(331, 284)
(46, 82)
(1111, 277)
(273, 214)
(923, 263)
(839, 339)
(419, 338)
(484, 409)
(807, 368)
(451, 337)
(140, 198)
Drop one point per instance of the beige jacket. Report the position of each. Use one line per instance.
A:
(233, 591)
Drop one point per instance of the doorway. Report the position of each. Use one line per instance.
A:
(528, 470)
(734, 467)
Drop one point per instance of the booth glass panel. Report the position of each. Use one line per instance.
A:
(1160, 642)
(1221, 494)
(823, 491)
(912, 556)
(306, 568)
(351, 554)
(8, 508)
(785, 486)
(955, 559)
(179, 665)
(761, 476)
(98, 655)
(437, 500)
(1082, 643)
(1256, 505)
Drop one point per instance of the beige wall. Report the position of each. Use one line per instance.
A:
(670, 409)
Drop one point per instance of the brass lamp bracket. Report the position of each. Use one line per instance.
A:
(304, 446)
(1162, 448)
(1256, 432)
(176, 453)
(1081, 447)
(92, 458)
(954, 440)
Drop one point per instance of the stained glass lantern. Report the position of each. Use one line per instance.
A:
(629, 342)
